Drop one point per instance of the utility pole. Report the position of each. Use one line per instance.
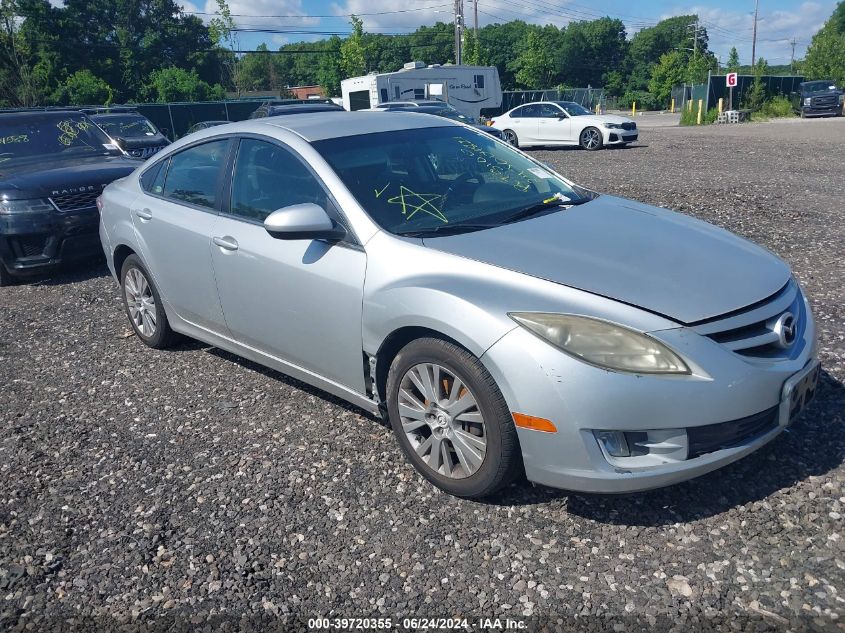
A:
(792, 43)
(459, 20)
(475, 22)
(754, 35)
(695, 29)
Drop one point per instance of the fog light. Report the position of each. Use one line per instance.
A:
(614, 443)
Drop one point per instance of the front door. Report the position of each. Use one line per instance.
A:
(297, 300)
(554, 125)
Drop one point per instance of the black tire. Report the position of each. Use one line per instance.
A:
(502, 461)
(511, 138)
(162, 336)
(586, 142)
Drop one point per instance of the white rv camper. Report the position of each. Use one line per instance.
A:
(467, 88)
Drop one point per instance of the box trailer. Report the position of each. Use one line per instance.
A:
(466, 88)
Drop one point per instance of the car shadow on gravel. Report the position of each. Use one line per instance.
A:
(69, 274)
(811, 448)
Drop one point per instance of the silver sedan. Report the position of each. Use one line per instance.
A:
(504, 319)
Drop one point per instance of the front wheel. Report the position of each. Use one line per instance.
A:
(510, 138)
(451, 420)
(591, 139)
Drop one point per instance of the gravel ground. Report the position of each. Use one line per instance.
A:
(188, 487)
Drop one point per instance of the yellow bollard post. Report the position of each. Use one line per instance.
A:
(598, 108)
(721, 103)
(634, 109)
(672, 109)
(700, 104)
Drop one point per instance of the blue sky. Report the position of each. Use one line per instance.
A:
(728, 22)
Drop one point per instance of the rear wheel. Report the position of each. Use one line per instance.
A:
(451, 419)
(510, 137)
(591, 139)
(5, 277)
(143, 305)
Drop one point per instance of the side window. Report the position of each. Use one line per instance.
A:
(194, 173)
(479, 82)
(548, 111)
(267, 177)
(396, 92)
(530, 111)
(384, 95)
(517, 114)
(419, 93)
(154, 176)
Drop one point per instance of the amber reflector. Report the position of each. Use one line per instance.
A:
(535, 424)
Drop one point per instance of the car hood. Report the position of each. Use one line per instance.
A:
(652, 258)
(54, 177)
(596, 119)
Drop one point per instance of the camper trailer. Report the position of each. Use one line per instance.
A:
(467, 88)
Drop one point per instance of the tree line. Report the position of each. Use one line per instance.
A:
(103, 51)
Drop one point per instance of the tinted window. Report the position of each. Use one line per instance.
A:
(547, 110)
(268, 177)
(479, 82)
(528, 111)
(193, 174)
(151, 175)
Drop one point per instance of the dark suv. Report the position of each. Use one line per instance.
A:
(818, 98)
(131, 131)
(53, 165)
(294, 106)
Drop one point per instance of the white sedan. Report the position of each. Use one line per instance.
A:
(563, 123)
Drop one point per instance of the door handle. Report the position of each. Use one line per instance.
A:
(226, 242)
(144, 214)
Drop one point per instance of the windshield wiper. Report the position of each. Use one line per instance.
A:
(534, 209)
(447, 229)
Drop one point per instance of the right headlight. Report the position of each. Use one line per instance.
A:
(36, 205)
(603, 344)
(808, 100)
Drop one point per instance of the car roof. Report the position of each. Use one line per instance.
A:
(112, 115)
(414, 102)
(35, 114)
(304, 107)
(326, 125)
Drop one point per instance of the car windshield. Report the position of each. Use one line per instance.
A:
(31, 138)
(444, 178)
(128, 126)
(819, 86)
(573, 109)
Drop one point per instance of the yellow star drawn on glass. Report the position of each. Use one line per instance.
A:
(413, 203)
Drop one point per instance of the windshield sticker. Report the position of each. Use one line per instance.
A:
(110, 146)
(378, 193)
(413, 203)
(14, 140)
(540, 173)
(71, 130)
(559, 197)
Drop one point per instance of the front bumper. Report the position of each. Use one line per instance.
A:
(822, 111)
(32, 243)
(617, 137)
(538, 380)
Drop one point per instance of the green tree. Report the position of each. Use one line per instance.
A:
(83, 88)
(733, 60)
(649, 44)
(698, 66)
(329, 73)
(535, 64)
(755, 96)
(24, 76)
(825, 57)
(353, 59)
(178, 84)
(669, 71)
(471, 49)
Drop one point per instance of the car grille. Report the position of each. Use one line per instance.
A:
(823, 101)
(715, 437)
(751, 331)
(75, 201)
(144, 152)
(629, 126)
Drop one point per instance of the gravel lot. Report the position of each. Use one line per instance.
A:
(186, 487)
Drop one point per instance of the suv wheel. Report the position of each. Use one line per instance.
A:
(451, 419)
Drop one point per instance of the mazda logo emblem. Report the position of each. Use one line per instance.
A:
(785, 328)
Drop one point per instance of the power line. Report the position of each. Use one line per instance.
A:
(306, 16)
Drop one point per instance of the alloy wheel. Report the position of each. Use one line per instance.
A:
(442, 421)
(510, 137)
(140, 301)
(591, 139)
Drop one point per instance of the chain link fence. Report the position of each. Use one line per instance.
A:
(716, 88)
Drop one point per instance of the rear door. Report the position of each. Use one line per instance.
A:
(297, 300)
(174, 220)
(524, 122)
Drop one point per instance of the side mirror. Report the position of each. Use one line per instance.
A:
(120, 142)
(307, 221)
(562, 116)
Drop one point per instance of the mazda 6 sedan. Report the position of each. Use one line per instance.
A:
(504, 319)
